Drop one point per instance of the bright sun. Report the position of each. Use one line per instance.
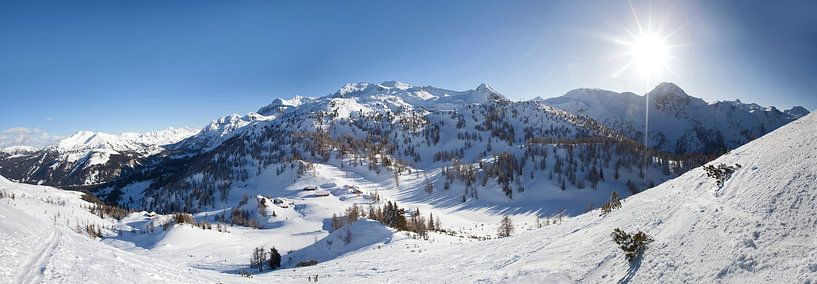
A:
(648, 49)
(649, 53)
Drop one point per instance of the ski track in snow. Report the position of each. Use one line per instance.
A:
(33, 270)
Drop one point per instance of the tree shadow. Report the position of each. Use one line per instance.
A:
(634, 266)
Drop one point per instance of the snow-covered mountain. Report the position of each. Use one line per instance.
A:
(678, 123)
(758, 225)
(18, 150)
(476, 147)
(218, 131)
(86, 157)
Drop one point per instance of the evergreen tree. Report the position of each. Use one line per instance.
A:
(259, 258)
(505, 227)
(274, 259)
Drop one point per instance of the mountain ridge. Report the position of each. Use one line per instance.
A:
(679, 123)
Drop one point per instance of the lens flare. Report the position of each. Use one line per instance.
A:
(649, 54)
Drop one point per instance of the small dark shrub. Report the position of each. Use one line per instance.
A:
(720, 173)
(614, 203)
(633, 245)
(306, 263)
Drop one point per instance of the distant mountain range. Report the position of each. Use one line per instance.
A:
(85, 158)
(678, 123)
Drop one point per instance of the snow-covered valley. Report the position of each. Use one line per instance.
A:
(394, 183)
(758, 226)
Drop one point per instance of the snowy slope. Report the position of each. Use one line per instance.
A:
(758, 228)
(679, 123)
(39, 244)
(217, 131)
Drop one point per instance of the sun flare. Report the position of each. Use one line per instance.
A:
(648, 48)
(648, 52)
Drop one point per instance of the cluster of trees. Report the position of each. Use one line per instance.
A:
(580, 163)
(102, 209)
(390, 215)
(91, 230)
(242, 217)
(262, 259)
(186, 218)
(548, 221)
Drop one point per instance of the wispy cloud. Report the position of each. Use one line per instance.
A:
(17, 136)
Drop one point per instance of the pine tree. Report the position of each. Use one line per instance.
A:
(274, 259)
(259, 257)
(336, 222)
(505, 227)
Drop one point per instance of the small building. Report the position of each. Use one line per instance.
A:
(321, 193)
(282, 202)
(311, 188)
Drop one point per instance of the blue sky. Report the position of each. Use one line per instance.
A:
(118, 66)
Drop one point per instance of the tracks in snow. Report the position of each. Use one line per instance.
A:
(33, 269)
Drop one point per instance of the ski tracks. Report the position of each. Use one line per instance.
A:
(32, 271)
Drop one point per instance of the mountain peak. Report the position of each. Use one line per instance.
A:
(395, 84)
(366, 88)
(281, 104)
(664, 88)
(486, 93)
(797, 112)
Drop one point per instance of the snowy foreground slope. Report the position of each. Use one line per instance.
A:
(760, 227)
(39, 243)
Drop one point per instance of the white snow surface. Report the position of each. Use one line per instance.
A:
(760, 227)
(39, 244)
